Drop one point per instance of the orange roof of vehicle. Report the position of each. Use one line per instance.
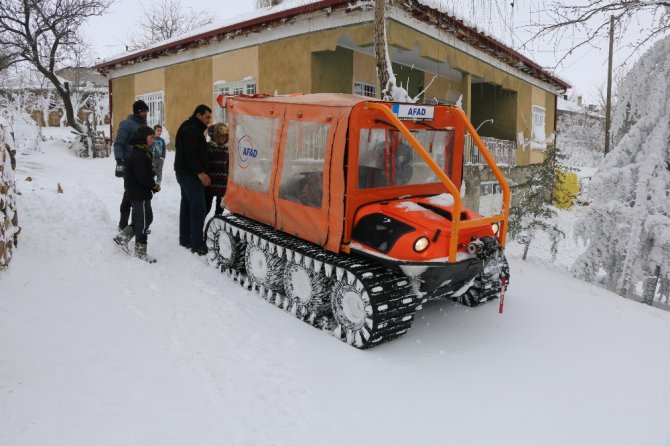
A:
(321, 99)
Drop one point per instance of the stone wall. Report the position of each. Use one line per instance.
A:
(473, 176)
(9, 221)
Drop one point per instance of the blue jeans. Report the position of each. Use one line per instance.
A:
(191, 211)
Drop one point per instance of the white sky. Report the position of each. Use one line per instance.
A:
(586, 70)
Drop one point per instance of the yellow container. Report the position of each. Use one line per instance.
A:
(566, 190)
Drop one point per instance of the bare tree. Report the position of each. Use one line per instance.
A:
(5, 60)
(584, 24)
(164, 20)
(45, 34)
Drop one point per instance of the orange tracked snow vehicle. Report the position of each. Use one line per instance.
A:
(347, 212)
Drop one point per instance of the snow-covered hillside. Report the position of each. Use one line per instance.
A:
(97, 348)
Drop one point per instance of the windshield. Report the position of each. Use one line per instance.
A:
(386, 158)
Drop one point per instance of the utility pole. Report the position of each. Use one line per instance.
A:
(608, 106)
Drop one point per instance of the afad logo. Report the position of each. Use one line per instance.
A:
(246, 151)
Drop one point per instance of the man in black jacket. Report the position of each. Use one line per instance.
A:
(190, 165)
(122, 148)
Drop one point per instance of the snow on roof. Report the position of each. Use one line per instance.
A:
(569, 106)
(218, 24)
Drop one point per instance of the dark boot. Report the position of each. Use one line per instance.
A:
(124, 237)
(141, 253)
(201, 252)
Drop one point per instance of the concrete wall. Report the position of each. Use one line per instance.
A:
(442, 89)
(123, 96)
(186, 85)
(235, 65)
(150, 81)
(365, 69)
(332, 71)
(474, 175)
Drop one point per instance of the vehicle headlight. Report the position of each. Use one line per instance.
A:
(421, 244)
(495, 227)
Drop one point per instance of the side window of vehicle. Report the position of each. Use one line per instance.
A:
(372, 159)
(304, 161)
(253, 151)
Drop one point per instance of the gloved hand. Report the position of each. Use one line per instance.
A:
(156, 188)
(119, 168)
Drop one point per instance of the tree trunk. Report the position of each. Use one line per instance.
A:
(381, 50)
(525, 249)
(664, 289)
(650, 282)
(69, 109)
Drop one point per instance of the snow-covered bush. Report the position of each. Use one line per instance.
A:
(535, 213)
(15, 107)
(582, 138)
(628, 224)
(9, 224)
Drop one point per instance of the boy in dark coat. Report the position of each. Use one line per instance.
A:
(140, 187)
(218, 166)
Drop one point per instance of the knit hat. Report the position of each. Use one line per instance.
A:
(139, 106)
(218, 129)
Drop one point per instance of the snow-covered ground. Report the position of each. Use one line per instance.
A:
(97, 348)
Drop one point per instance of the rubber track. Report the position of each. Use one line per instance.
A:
(392, 300)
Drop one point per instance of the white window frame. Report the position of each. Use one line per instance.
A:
(365, 89)
(225, 88)
(156, 102)
(539, 114)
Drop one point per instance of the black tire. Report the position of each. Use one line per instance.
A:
(264, 268)
(308, 292)
(224, 249)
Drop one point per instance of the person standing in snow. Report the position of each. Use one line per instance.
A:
(218, 167)
(122, 150)
(159, 152)
(190, 166)
(140, 186)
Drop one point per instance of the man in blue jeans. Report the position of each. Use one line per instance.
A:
(190, 165)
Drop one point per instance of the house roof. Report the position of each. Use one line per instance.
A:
(425, 10)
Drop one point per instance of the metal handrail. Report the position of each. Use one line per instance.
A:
(456, 224)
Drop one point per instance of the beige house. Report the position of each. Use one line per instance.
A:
(327, 46)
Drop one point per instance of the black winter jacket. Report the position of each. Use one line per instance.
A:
(191, 147)
(138, 178)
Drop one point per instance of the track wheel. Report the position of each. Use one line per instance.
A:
(473, 296)
(351, 308)
(264, 268)
(224, 249)
(308, 292)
